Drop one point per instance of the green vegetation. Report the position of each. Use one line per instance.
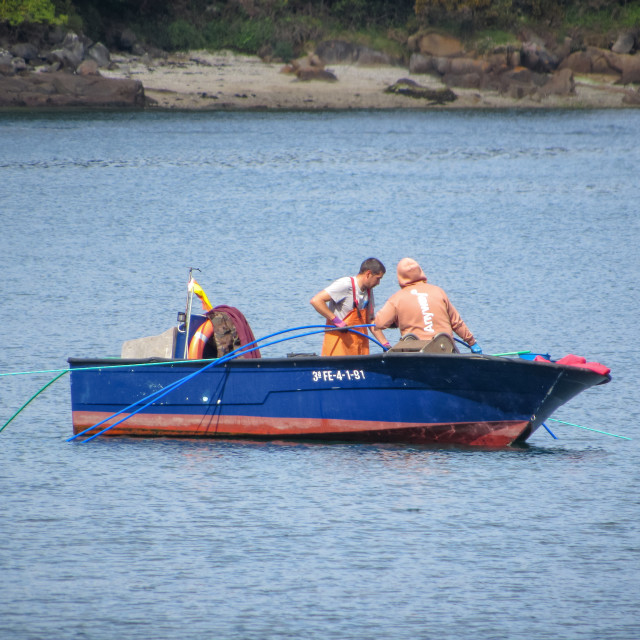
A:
(488, 39)
(183, 35)
(287, 28)
(607, 16)
(16, 12)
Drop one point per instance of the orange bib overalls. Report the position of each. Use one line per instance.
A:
(348, 343)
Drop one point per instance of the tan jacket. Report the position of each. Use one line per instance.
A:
(425, 310)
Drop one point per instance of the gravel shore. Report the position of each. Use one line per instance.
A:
(200, 80)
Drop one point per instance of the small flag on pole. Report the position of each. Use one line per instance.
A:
(197, 289)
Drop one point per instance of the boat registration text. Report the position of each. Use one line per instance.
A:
(332, 376)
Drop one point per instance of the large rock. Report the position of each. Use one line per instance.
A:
(88, 68)
(441, 64)
(578, 62)
(461, 66)
(593, 60)
(563, 49)
(626, 64)
(71, 54)
(561, 83)
(65, 58)
(498, 61)
(315, 73)
(466, 73)
(630, 69)
(514, 59)
(74, 45)
(336, 51)
(538, 58)
(520, 82)
(624, 43)
(100, 54)
(463, 80)
(19, 65)
(412, 42)
(370, 57)
(435, 44)
(340, 51)
(600, 61)
(615, 61)
(127, 40)
(411, 89)
(421, 63)
(68, 90)
(25, 50)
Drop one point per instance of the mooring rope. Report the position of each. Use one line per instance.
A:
(33, 397)
(323, 328)
(606, 433)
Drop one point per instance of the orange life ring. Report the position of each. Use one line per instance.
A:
(199, 340)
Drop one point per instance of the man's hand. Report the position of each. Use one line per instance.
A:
(341, 324)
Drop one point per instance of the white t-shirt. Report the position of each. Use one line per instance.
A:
(341, 293)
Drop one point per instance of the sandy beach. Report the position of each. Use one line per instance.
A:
(201, 80)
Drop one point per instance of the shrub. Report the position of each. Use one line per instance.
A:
(353, 13)
(34, 11)
(184, 36)
(218, 34)
(252, 35)
(283, 50)
(488, 39)
(298, 30)
(246, 36)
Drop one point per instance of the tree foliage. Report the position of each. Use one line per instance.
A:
(16, 12)
(286, 27)
(482, 13)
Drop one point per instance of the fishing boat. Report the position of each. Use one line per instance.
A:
(423, 393)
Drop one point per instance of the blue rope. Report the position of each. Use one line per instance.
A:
(239, 351)
(550, 432)
(461, 342)
(154, 397)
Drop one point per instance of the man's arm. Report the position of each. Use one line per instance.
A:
(380, 337)
(319, 303)
(377, 330)
(458, 325)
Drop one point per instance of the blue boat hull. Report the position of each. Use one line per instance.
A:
(396, 397)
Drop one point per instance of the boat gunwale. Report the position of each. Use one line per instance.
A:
(294, 361)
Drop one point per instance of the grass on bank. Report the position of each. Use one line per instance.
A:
(292, 37)
(623, 17)
(285, 36)
(284, 40)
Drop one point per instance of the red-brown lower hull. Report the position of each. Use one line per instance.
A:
(488, 434)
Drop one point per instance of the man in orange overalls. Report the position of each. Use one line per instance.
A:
(348, 302)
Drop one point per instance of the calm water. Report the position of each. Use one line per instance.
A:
(528, 220)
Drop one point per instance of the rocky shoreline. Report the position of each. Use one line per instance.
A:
(63, 70)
